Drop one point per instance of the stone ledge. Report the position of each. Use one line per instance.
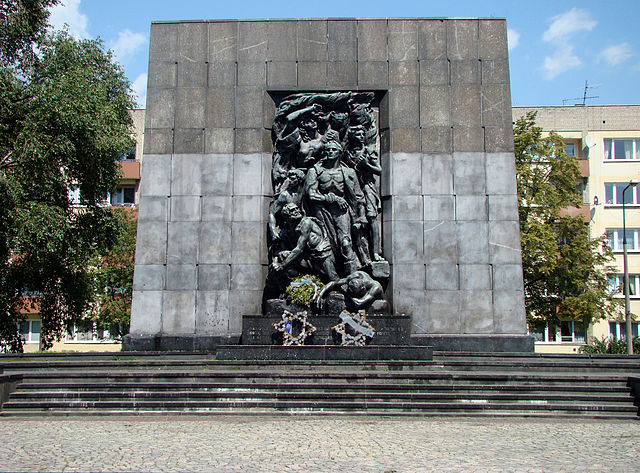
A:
(324, 352)
(476, 343)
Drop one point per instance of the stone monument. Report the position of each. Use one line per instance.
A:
(374, 154)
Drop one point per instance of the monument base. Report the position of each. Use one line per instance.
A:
(477, 343)
(324, 352)
(185, 342)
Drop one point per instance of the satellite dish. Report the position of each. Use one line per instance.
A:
(589, 141)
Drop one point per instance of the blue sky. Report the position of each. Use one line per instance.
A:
(555, 46)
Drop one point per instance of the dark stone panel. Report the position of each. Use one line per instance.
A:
(282, 36)
(434, 72)
(462, 39)
(496, 105)
(219, 140)
(192, 74)
(252, 41)
(305, 352)
(435, 103)
(342, 40)
(432, 39)
(175, 343)
(498, 139)
(342, 74)
(465, 72)
(374, 74)
(312, 40)
(163, 42)
(477, 343)
(405, 140)
(161, 106)
(465, 105)
(405, 107)
(282, 74)
(267, 143)
(385, 113)
(252, 73)
(468, 138)
(372, 40)
(403, 40)
(249, 107)
(222, 74)
(268, 110)
(248, 140)
(436, 139)
(493, 39)
(193, 41)
(403, 73)
(190, 107)
(223, 38)
(188, 141)
(220, 110)
(158, 141)
(162, 74)
(495, 71)
(385, 143)
(312, 75)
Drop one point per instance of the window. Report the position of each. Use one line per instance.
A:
(545, 333)
(89, 333)
(129, 155)
(124, 196)
(614, 239)
(30, 331)
(570, 149)
(621, 149)
(616, 282)
(618, 330)
(567, 332)
(74, 195)
(613, 193)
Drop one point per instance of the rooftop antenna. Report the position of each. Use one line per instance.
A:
(584, 96)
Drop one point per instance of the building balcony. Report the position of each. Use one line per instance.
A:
(583, 211)
(584, 167)
(130, 169)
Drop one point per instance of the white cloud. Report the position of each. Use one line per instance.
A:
(562, 60)
(614, 55)
(566, 24)
(513, 39)
(68, 12)
(127, 44)
(139, 87)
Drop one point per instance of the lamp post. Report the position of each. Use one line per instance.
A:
(627, 314)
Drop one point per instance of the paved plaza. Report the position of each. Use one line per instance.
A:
(311, 444)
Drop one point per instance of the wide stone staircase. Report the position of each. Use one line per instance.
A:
(452, 384)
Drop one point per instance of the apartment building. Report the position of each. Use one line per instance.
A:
(606, 140)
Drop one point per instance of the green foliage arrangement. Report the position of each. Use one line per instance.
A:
(605, 346)
(303, 289)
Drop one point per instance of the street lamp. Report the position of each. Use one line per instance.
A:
(627, 314)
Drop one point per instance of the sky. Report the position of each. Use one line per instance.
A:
(555, 47)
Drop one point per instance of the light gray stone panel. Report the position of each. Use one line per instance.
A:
(372, 40)
(342, 74)
(501, 173)
(185, 174)
(267, 165)
(436, 139)
(312, 75)
(161, 107)
(282, 74)
(410, 302)
(252, 73)
(387, 210)
(476, 312)
(153, 208)
(217, 174)
(156, 175)
(181, 277)
(312, 40)
(408, 276)
(465, 72)
(407, 241)
(403, 73)
(182, 244)
(462, 39)
(444, 313)
(220, 107)
(439, 207)
(509, 312)
(148, 277)
(192, 74)
(405, 107)
(190, 107)
(405, 140)
(269, 108)
(163, 44)
(246, 242)
(222, 74)
(385, 178)
(407, 207)
(437, 174)
(247, 208)
(465, 105)
(373, 74)
(242, 303)
(249, 140)
(343, 40)
(406, 172)
(247, 277)
(434, 72)
(471, 207)
(151, 243)
(188, 141)
(469, 173)
(214, 277)
(217, 208)
(252, 40)
(507, 277)
(247, 174)
(503, 207)
(493, 39)
(504, 242)
(212, 313)
(146, 312)
(435, 103)
(440, 242)
(162, 74)
(498, 139)
(496, 105)
(193, 41)
(442, 277)
(248, 107)
(475, 277)
(185, 208)
(158, 141)
(473, 242)
(282, 40)
(219, 140)
(495, 71)
(432, 39)
(223, 38)
(403, 40)
(179, 312)
(466, 138)
(215, 243)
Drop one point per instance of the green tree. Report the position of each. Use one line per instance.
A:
(64, 120)
(565, 271)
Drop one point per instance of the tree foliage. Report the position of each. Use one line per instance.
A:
(64, 121)
(565, 270)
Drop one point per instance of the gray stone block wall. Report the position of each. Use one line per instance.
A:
(448, 184)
